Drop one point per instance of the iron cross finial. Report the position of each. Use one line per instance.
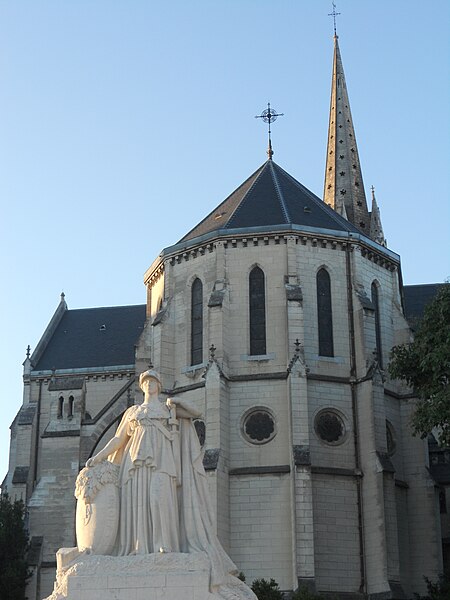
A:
(334, 14)
(269, 116)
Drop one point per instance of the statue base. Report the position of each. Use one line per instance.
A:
(162, 576)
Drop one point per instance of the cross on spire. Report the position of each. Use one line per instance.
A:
(334, 14)
(269, 116)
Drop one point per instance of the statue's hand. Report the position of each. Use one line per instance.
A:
(172, 402)
(92, 461)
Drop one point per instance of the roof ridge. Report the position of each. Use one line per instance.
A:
(330, 211)
(239, 206)
(105, 307)
(279, 192)
(217, 208)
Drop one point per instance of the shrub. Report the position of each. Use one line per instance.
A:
(304, 593)
(436, 591)
(267, 590)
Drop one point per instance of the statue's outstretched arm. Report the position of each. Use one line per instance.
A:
(112, 446)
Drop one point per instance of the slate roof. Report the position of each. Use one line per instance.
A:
(94, 337)
(416, 298)
(271, 197)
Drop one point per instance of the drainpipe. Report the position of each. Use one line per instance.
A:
(356, 444)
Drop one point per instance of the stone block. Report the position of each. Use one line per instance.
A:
(171, 576)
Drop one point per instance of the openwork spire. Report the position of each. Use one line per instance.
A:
(344, 188)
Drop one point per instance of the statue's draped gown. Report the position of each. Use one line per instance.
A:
(164, 495)
(148, 479)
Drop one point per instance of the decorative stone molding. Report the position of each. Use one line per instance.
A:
(63, 433)
(302, 455)
(269, 470)
(26, 415)
(293, 292)
(20, 475)
(211, 459)
(216, 298)
(160, 316)
(384, 463)
(66, 383)
(364, 300)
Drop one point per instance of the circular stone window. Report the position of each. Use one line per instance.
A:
(391, 444)
(329, 427)
(258, 426)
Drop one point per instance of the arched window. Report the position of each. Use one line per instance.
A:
(324, 313)
(60, 407)
(257, 298)
(376, 304)
(196, 322)
(71, 401)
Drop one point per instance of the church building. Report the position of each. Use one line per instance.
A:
(275, 316)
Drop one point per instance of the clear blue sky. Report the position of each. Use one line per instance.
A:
(123, 123)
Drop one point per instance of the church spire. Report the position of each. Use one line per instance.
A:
(376, 228)
(344, 188)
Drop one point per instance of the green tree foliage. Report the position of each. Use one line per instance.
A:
(425, 366)
(13, 548)
(303, 593)
(436, 591)
(267, 590)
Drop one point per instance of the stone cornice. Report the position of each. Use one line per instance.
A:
(124, 370)
(273, 235)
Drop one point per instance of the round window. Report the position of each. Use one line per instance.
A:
(329, 427)
(258, 426)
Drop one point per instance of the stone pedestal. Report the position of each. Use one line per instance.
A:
(171, 576)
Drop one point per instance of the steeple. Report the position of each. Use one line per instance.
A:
(344, 188)
(376, 229)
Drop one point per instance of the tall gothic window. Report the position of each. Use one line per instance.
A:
(324, 314)
(257, 298)
(197, 322)
(376, 304)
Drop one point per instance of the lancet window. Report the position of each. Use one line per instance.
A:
(71, 403)
(197, 322)
(324, 313)
(60, 407)
(376, 304)
(257, 299)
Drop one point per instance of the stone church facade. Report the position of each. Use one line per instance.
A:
(275, 315)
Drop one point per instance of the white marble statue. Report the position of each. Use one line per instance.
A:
(160, 486)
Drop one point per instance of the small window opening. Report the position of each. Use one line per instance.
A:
(60, 407)
(71, 403)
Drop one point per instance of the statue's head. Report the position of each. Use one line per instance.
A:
(150, 374)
